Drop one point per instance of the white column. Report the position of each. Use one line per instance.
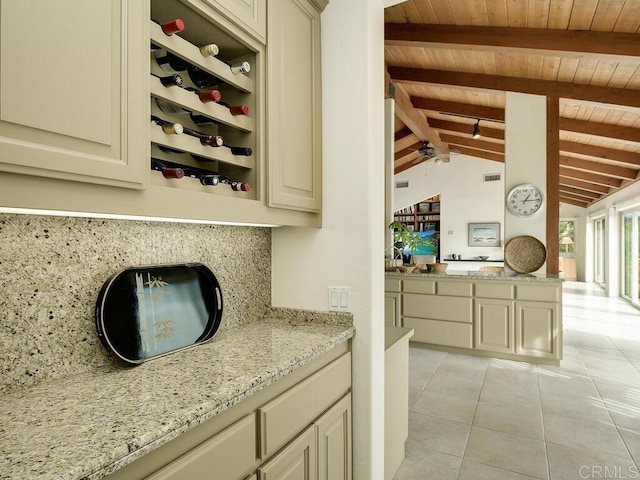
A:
(526, 160)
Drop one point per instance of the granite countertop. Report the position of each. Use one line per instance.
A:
(525, 277)
(89, 425)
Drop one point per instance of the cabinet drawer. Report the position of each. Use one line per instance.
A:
(452, 334)
(231, 453)
(420, 286)
(392, 285)
(495, 290)
(453, 309)
(455, 289)
(539, 293)
(291, 412)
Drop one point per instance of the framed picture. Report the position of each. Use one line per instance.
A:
(484, 234)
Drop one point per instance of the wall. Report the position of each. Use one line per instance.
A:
(465, 198)
(52, 268)
(348, 250)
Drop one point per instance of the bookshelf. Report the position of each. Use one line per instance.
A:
(423, 216)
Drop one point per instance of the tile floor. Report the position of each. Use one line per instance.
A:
(475, 418)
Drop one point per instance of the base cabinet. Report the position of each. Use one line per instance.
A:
(299, 428)
(505, 317)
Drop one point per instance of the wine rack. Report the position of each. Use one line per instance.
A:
(236, 89)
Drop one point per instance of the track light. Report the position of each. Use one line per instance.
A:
(476, 130)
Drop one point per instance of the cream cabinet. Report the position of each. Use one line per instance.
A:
(297, 428)
(504, 317)
(294, 105)
(72, 90)
(86, 145)
(392, 303)
(298, 461)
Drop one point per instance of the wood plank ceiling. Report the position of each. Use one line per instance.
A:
(450, 62)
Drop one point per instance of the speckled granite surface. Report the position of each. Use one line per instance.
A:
(521, 277)
(88, 425)
(51, 269)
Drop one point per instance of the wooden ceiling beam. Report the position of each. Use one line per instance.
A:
(579, 192)
(466, 109)
(531, 41)
(627, 134)
(590, 177)
(415, 120)
(496, 157)
(583, 185)
(572, 201)
(548, 88)
(475, 143)
(460, 127)
(598, 167)
(407, 165)
(405, 142)
(407, 151)
(576, 198)
(596, 151)
(402, 133)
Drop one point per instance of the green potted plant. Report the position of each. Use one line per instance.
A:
(406, 240)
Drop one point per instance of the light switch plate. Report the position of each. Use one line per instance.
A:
(340, 299)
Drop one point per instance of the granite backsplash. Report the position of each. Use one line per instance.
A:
(51, 269)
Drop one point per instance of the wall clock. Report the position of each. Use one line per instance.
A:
(524, 200)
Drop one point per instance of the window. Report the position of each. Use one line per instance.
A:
(630, 254)
(599, 251)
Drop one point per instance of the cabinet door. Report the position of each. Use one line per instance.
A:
(250, 14)
(537, 329)
(294, 118)
(392, 309)
(494, 324)
(297, 461)
(72, 90)
(334, 442)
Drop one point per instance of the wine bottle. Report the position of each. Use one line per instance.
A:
(206, 96)
(174, 26)
(174, 80)
(210, 50)
(170, 108)
(167, 171)
(212, 140)
(202, 79)
(235, 185)
(242, 67)
(202, 119)
(171, 63)
(210, 180)
(168, 127)
(243, 151)
(236, 109)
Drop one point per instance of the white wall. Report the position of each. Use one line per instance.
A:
(348, 250)
(465, 198)
(526, 160)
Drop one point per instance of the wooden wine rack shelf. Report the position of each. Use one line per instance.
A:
(191, 54)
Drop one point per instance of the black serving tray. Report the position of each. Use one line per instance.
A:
(149, 311)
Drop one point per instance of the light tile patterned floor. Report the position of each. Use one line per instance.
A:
(475, 418)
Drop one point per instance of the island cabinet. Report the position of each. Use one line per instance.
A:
(297, 428)
(98, 141)
(507, 317)
(392, 295)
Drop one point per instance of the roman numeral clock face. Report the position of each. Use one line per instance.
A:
(524, 200)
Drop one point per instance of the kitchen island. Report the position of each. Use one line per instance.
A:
(92, 424)
(505, 315)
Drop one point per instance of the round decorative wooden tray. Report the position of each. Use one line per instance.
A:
(525, 254)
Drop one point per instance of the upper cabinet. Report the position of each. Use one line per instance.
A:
(294, 105)
(217, 121)
(72, 90)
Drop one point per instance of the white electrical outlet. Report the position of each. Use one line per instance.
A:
(340, 299)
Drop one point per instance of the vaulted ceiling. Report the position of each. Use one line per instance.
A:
(450, 62)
